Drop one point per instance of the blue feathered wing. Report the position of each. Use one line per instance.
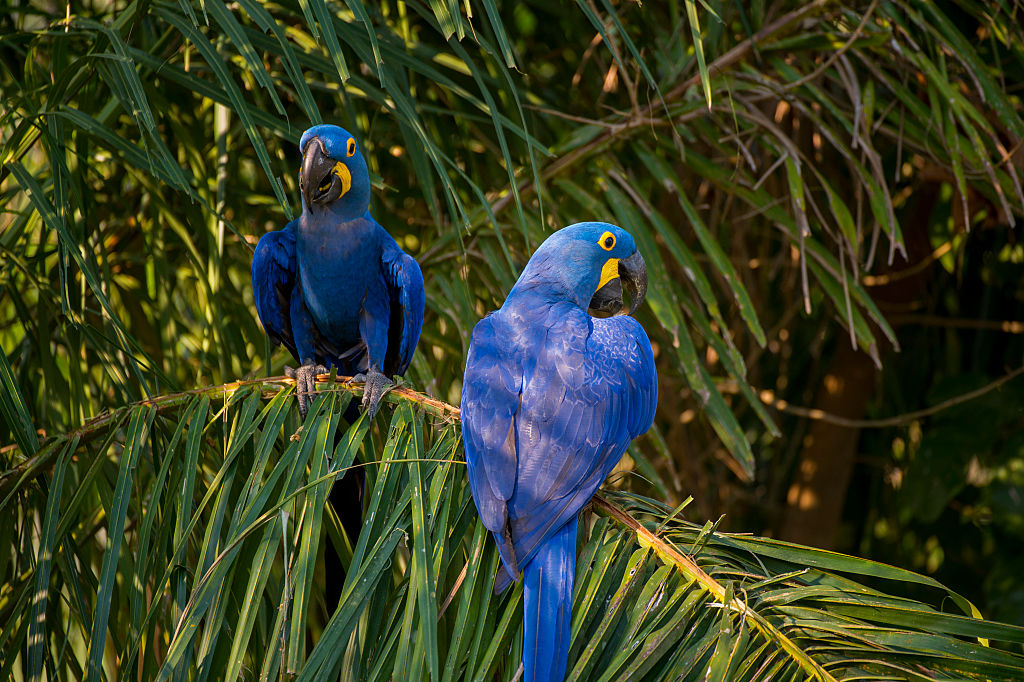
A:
(405, 285)
(273, 279)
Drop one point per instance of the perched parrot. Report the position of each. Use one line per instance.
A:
(333, 286)
(551, 398)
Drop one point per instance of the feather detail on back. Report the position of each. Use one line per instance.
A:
(547, 416)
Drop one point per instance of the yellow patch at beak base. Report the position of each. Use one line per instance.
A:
(609, 272)
(341, 170)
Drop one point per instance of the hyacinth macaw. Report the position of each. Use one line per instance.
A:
(551, 398)
(333, 286)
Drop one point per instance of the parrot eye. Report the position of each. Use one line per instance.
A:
(607, 241)
(351, 148)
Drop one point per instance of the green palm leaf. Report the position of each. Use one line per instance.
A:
(764, 156)
(657, 596)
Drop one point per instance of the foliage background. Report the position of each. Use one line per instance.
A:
(815, 186)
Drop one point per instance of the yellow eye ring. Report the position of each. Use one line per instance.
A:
(607, 241)
(351, 148)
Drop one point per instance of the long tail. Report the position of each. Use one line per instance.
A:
(547, 607)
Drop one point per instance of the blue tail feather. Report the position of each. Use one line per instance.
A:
(547, 606)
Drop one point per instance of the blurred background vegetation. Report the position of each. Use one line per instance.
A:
(826, 195)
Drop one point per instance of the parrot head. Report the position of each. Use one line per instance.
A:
(333, 175)
(589, 263)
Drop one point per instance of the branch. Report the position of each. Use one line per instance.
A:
(838, 53)
(1006, 326)
(643, 116)
(768, 398)
(39, 462)
(688, 567)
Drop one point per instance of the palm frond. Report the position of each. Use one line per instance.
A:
(209, 509)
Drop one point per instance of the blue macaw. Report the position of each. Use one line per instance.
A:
(333, 286)
(551, 398)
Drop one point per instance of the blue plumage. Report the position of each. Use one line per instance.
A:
(333, 286)
(551, 398)
(547, 605)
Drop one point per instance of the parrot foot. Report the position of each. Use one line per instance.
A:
(375, 385)
(305, 383)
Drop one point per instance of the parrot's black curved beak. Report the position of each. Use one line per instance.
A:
(318, 179)
(633, 273)
(607, 300)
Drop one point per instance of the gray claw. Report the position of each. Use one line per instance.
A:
(375, 385)
(305, 383)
